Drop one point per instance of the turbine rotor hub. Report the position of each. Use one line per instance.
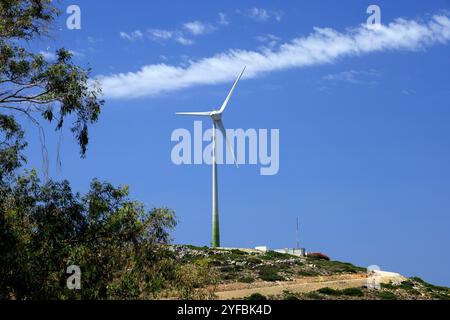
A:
(216, 115)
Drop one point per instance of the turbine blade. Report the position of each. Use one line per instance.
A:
(224, 134)
(194, 113)
(224, 105)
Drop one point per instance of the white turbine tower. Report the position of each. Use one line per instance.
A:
(216, 117)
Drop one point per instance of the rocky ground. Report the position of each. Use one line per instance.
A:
(271, 275)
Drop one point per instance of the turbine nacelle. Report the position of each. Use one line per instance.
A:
(216, 115)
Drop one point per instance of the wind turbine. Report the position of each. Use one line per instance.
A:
(216, 117)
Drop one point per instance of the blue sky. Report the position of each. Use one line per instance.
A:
(363, 119)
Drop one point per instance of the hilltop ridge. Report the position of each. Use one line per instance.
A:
(252, 274)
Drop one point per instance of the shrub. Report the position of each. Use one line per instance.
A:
(291, 297)
(246, 280)
(273, 255)
(313, 296)
(386, 295)
(353, 292)
(407, 285)
(308, 273)
(256, 296)
(329, 291)
(237, 252)
(318, 255)
(387, 286)
(253, 260)
(268, 273)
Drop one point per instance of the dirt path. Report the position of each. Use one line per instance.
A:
(305, 284)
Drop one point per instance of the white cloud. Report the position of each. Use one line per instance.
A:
(198, 28)
(77, 54)
(135, 35)
(51, 56)
(193, 28)
(408, 92)
(160, 34)
(223, 19)
(324, 45)
(48, 56)
(354, 76)
(94, 40)
(269, 40)
(184, 41)
(260, 14)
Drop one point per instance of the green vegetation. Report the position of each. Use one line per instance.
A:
(335, 267)
(388, 286)
(386, 295)
(273, 255)
(307, 273)
(313, 296)
(246, 279)
(269, 273)
(256, 296)
(287, 295)
(353, 292)
(121, 248)
(329, 291)
(437, 292)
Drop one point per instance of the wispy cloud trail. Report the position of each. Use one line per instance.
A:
(323, 45)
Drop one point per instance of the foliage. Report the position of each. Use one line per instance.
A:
(256, 296)
(307, 273)
(269, 273)
(353, 292)
(32, 86)
(274, 255)
(119, 246)
(329, 291)
(195, 282)
(334, 267)
(11, 145)
(318, 255)
(246, 279)
(386, 295)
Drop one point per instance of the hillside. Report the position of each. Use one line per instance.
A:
(250, 274)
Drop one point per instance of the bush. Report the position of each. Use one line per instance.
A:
(308, 273)
(273, 255)
(313, 296)
(256, 296)
(353, 292)
(387, 286)
(246, 280)
(386, 295)
(407, 285)
(318, 256)
(329, 291)
(253, 261)
(268, 273)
